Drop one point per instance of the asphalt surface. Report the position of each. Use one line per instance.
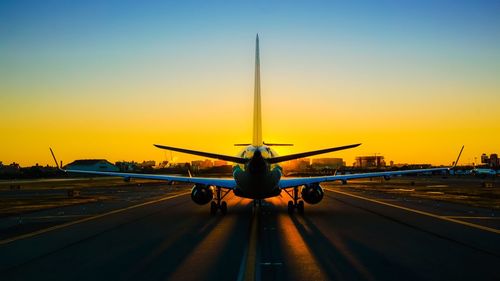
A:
(350, 235)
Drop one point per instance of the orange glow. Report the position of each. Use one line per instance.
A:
(299, 253)
(95, 131)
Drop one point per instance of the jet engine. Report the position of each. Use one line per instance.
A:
(202, 194)
(312, 193)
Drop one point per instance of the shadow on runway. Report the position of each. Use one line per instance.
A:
(340, 258)
(202, 248)
(336, 255)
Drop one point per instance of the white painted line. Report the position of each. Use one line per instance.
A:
(477, 226)
(248, 264)
(472, 217)
(271, 263)
(53, 217)
(45, 230)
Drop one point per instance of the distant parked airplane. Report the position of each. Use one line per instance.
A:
(256, 173)
(483, 172)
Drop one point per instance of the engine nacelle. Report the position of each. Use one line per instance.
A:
(387, 178)
(202, 194)
(312, 193)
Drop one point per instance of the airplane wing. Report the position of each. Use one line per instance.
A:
(220, 182)
(292, 182)
(205, 154)
(289, 157)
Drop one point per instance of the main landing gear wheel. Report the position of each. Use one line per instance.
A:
(300, 207)
(213, 208)
(296, 203)
(217, 203)
(223, 207)
(291, 207)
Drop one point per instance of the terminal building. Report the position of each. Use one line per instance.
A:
(369, 162)
(202, 164)
(219, 163)
(11, 169)
(301, 164)
(492, 161)
(327, 163)
(101, 165)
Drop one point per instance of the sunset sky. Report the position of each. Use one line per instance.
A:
(411, 80)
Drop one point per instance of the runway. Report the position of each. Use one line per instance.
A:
(350, 235)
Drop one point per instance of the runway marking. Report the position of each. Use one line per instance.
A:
(271, 263)
(45, 230)
(445, 218)
(247, 267)
(472, 217)
(53, 217)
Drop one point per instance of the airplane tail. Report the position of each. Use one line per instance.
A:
(257, 111)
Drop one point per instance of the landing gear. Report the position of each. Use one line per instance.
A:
(223, 207)
(291, 207)
(213, 208)
(257, 202)
(300, 207)
(296, 203)
(218, 204)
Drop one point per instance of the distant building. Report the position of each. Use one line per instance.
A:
(126, 166)
(485, 159)
(202, 164)
(148, 164)
(369, 162)
(163, 164)
(218, 163)
(327, 163)
(92, 165)
(492, 161)
(301, 164)
(11, 169)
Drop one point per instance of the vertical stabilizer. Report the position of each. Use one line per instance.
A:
(257, 112)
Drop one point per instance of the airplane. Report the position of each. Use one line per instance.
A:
(256, 171)
(483, 172)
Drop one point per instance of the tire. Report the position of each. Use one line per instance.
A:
(300, 207)
(291, 207)
(213, 208)
(223, 207)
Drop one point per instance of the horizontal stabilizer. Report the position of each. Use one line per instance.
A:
(278, 144)
(307, 154)
(205, 154)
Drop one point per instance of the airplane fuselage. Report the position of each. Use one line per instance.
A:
(257, 179)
